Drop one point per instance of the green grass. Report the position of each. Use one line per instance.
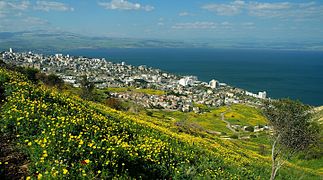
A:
(245, 115)
(207, 121)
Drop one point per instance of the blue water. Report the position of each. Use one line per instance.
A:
(293, 74)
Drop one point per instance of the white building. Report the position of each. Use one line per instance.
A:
(187, 80)
(10, 50)
(214, 84)
(58, 55)
(262, 95)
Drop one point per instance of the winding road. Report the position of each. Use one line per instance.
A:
(227, 122)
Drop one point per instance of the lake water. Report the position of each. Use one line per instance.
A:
(293, 74)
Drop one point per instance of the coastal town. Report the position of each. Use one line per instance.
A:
(184, 93)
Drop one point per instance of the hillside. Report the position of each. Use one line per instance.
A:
(64, 136)
(319, 114)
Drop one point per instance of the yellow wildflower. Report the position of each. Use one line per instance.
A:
(39, 176)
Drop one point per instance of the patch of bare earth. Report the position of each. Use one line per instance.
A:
(14, 164)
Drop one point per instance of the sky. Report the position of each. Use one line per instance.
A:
(288, 20)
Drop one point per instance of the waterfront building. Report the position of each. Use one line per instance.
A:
(262, 95)
(187, 80)
(214, 84)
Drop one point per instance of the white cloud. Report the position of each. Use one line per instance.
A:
(52, 6)
(297, 11)
(184, 14)
(160, 24)
(12, 7)
(248, 24)
(269, 6)
(9, 9)
(228, 9)
(125, 5)
(286, 10)
(148, 8)
(225, 23)
(6, 6)
(195, 25)
(33, 21)
(16, 23)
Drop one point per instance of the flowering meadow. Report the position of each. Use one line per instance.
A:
(67, 137)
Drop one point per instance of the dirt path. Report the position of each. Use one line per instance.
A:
(227, 122)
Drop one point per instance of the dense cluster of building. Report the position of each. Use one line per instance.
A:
(182, 92)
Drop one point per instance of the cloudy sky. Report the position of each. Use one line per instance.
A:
(169, 19)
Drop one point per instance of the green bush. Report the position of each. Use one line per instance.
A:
(234, 136)
(250, 129)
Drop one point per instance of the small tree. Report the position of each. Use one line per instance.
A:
(87, 88)
(293, 130)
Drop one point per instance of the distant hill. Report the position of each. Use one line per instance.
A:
(49, 41)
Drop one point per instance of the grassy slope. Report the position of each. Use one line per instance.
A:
(236, 114)
(81, 139)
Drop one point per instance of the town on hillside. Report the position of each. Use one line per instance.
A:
(184, 93)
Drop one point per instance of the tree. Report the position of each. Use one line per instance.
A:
(87, 88)
(50, 80)
(293, 130)
(54, 80)
(30, 73)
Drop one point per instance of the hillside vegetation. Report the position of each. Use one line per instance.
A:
(64, 136)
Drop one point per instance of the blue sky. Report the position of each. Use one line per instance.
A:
(169, 19)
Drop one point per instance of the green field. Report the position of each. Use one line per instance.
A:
(237, 114)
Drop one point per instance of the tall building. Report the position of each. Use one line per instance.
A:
(58, 55)
(262, 95)
(187, 80)
(10, 50)
(214, 84)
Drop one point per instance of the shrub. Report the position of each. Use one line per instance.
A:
(149, 113)
(250, 129)
(114, 103)
(262, 149)
(234, 136)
